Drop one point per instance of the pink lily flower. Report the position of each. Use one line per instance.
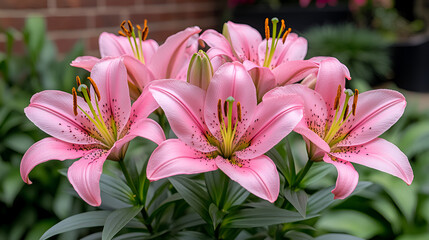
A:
(341, 127)
(95, 127)
(144, 59)
(223, 128)
(276, 60)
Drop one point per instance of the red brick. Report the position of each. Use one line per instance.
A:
(18, 47)
(120, 2)
(108, 20)
(92, 45)
(76, 3)
(23, 4)
(153, 17)
(17, 23)
(66, 23)
(65, 45)
(158, 1)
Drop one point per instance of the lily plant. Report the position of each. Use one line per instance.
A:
(223, 128)
(341, 127)
(95, 126)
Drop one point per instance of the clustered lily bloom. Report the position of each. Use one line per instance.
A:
(144, 59)
(223, 128)
(342, 127)
(239, 101)
(94, 127)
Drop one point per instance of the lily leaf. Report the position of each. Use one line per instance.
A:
(297, 199)
(117, 220)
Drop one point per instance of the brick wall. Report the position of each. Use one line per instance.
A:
(71, 20)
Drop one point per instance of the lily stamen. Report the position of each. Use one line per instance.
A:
(269, 51)
(74, 101)
(135, 39)
(355, 99)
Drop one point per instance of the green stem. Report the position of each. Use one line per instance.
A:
(302, 173)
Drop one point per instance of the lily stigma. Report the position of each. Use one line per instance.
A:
(134, 39)
(269, 51)
(106, 134)
(333, 133)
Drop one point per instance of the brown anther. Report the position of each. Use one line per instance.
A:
(267, 29)
(337, 98)
(219, 111)
(74, 101)
(285, 35)
(126, 32)
(346, 112)
(130, 26)
(239, 111)
(145, 32)
(78, 82)
(122, 33)
(139, 28)
(355, 99)
(225, 108)
(95, 88)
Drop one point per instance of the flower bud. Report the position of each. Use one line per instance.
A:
(200, 70)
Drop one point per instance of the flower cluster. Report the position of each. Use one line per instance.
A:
(227, 107)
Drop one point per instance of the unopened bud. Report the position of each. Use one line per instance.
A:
(200, 70)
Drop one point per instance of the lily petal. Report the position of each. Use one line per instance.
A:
(52, 112)
(110, 75)
(49, 149)
(244, 40)
(85, 62)
(173, 55)
(381, 155)
(173, 157)
(347, 179)
(138, 73)
(331, 74)
(258, 175)
(263, 78)
(217, 41)
(183, 105)
(376, 111)
(114, 46)
(312, 125)
(293, 71)
(231, 79)
(275, 117)
(84, 175)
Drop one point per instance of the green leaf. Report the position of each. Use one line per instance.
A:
(11, 186)
(235, 196)
(82, 220)
(280, 163)
(191, 235)
(216, 215)
(34, 35)
(388, 210)
(158, 210)
(261, 216)
(18, 142)
(118, 219)
(415, 138)
(193, 194)
(350, 221)
(298, 199)
(187, 221)
(317, 172)
(116, 188)
(217, 184)
(336, 236)
(298, 235)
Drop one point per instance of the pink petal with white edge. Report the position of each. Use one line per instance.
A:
(347, 179)
(275, 117)
(84, 175)
(85, 62)
(263, 78)
(110, 75)
(293, 71)
(173, 157)
(52, 112)
(173, 55)
(381, 155)
(313, 122)
(258, 175)
(231, 79)
(114, 46)
(183, 105)
(331, 74)
(217, 41)
(244, 40)
(50, 149)
(377, 111)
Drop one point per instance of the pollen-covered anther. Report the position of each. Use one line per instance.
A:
(219, 111)
(267, 29)
(74, 101)
(286, 34)
(346, 111)
(125, 31)
(355, 99)
(78, 82)
(130, 26)
(239, 111)
(122, 33)
(97, 92)
(337, 98)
